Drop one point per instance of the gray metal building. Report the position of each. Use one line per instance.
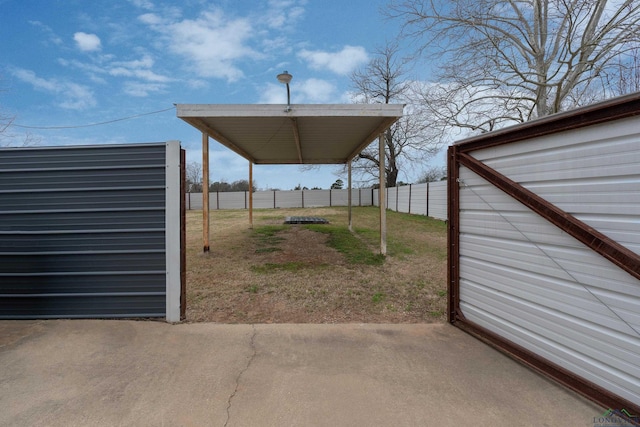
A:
(92, 231)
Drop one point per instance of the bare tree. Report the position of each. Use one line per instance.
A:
(194, 177)
(433, 174)
(512, 60)
(411, 139)
(10, 139)
(625, 77)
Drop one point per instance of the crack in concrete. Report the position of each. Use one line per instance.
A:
(252, 345)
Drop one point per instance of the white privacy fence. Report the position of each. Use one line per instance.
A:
(428, 199)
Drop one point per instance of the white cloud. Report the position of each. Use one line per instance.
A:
(143, 4)
(342, 62)
(87, 42)
(211, 43)
(216, 43)
(282, 14)
(151, 19)
(273, 94)
(74, 96)
(78, 97)
(317, 90)
(310, 91)
(53, 38)
(141, 69)
(138, 89)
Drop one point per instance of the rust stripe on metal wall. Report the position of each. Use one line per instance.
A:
(622, 257)
(453, 236)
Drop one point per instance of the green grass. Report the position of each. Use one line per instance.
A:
(268, 250)
(377, 297)
(267, 238)
(271, 267)
(355, 250)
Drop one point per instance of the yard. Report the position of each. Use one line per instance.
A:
(280, 273)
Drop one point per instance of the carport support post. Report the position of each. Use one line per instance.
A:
(205, 192)
(381, 197)
(349, 196)
(251, 195)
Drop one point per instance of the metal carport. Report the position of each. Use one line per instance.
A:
(299, 134)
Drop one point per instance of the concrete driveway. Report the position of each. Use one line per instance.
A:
(137, 373)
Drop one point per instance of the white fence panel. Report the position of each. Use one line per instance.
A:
(419, 204)
(365, 197)
(231, 200)
(340, 198)
(289, 199)
(193, 201)
(409, 199)
(390, 202)
(438, 200)
(403, 198)
(317, 198)
(261, 200)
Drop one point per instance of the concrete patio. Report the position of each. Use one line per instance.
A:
(147, 373)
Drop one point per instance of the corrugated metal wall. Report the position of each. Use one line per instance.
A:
(83, 231)
(529, 282)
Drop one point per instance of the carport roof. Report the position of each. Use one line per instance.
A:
(305, 134)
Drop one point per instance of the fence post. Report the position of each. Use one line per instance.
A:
(274, 199)
(427, 199)
(410, 198)
(330, 201)
(302, 198)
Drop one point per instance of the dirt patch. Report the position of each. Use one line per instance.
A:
(300, 245)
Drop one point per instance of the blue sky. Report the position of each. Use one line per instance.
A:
(76, 62)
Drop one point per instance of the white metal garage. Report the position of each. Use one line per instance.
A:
(545, 242)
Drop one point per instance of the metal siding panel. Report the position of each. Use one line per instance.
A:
(592, 173)
(531, 283)
(82, 232)
(98, 220)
